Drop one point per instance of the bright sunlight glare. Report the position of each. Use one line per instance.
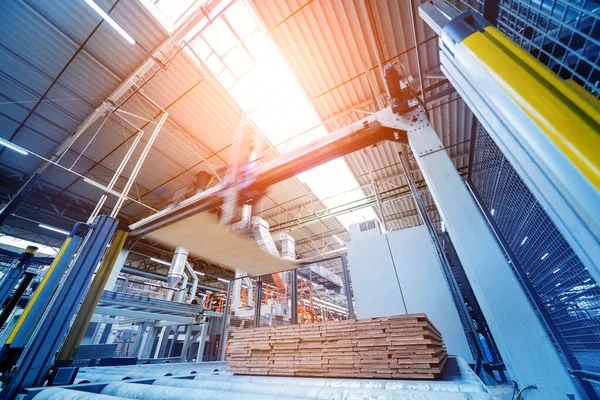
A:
(239, 52)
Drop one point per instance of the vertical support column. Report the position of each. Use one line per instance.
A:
(186, 343)
(225, 326)
(529, 354)
(202, 342)
(257, 302)
(86, 310)
(347, 287)
(112, 279)
(459, 303)
(294, 296)
(14, 300)
(171, 352)
(16, 271)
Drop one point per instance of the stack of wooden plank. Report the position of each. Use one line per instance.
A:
(398, 347)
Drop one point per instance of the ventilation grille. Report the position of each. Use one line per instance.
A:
(368, 225)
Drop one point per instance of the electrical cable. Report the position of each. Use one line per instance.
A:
(522, 390)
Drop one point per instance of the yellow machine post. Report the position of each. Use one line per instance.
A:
(568, 117)
(71, 344)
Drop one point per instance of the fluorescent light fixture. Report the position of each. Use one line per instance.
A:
(51, 228)
(156, 260)
(558, 284)
(13, 147)
(443, 226)
(199, 273)
(524, 240)
(103, 188)
(556, 270)
(111, 21)
(223, 280)
(340, 241)
(545, 256)
(493, 211)
(587, 280)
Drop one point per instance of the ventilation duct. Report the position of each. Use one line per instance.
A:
(288, 247)
(262, 235)
(176, 271)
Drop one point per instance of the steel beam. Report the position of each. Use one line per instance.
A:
(528, 352)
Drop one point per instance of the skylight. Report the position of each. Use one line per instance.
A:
(238, 51)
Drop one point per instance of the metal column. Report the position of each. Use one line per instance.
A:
(84, 316)
(186, 343)
(14, 300)
(294, 297)
(16, 271)
(459, 303)
(257, 302)
(529, 355)
(224, 327)
(35, 361)
(202, 341)
(347, 287)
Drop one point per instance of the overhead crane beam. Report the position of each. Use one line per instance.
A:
(383, 125)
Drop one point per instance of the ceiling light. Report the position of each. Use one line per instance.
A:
(13, 147)
(156, 260)
(199, 273)
(443, 226)
(223, 280)
(103, 188)
(493, 211)
(111, 21)
(524, 240)
(545, 256)
(556, 270)
(51, 228)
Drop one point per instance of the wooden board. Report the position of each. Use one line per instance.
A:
(202, 235)
(399, 347)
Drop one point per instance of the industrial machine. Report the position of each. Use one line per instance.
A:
(547, 127)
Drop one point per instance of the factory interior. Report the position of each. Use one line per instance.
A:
(300, 199)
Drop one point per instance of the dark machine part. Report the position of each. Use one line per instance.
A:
(398, 96)
(16, 297)
(14, 274)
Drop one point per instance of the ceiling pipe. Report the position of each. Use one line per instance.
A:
(189, 268)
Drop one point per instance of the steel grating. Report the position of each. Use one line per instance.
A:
(563, 34)
(562, 285)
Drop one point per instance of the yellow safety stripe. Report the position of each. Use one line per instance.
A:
(31, 302)
(569, 119)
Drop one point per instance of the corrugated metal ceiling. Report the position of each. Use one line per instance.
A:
(326, 43)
